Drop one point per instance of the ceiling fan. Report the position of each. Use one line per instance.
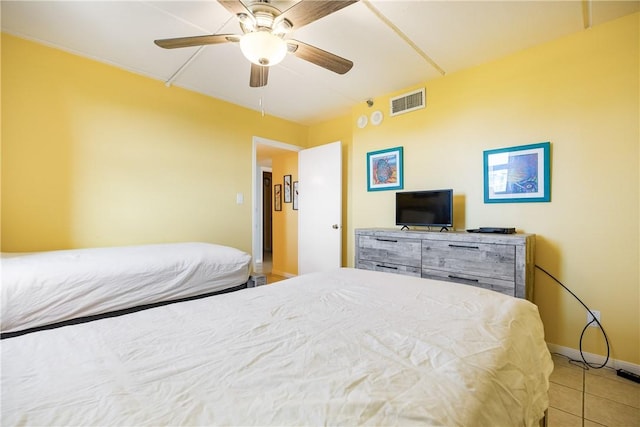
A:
(264, 29)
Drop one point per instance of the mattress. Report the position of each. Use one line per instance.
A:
(48, 287)
(346, 347)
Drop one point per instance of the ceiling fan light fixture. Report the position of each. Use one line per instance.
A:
(247, 22)
(281, 26)
(263, 48)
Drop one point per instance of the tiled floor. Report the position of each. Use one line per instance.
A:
(590, 398)
(272, 278)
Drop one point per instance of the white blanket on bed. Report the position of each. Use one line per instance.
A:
(48, 287)
(349, 347)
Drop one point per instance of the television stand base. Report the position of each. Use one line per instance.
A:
(406, 227)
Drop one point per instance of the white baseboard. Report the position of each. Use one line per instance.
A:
(593, 358)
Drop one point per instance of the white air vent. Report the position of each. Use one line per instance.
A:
(408, 102)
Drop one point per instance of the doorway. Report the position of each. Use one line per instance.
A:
(324, 158)
(267, 225)
(263, 152)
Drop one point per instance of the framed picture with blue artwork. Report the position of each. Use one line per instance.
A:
(385, 170)
(518, 174)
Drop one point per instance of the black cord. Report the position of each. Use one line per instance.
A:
(593, 319)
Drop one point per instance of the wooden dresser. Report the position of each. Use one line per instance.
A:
(500, 262)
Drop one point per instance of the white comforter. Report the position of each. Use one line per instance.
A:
(349, 347)
(49, 287)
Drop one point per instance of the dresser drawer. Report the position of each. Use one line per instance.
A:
(475, 259)
(390, 268)
(503, 286)
(390, 250)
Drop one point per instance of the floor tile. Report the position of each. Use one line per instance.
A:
(588, 423)
(610, 413)
(272, 278)
(609, 373)
(565, 399)
(566, 374)
(612, 387)
(558, 418)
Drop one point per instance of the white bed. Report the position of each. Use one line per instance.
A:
(45, 288)
(347, 347)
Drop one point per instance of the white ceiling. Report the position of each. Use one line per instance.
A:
(449, 36)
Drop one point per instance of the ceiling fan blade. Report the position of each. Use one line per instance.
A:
(305, 12)
(319, 57)
(234, 6)
(259, 75)
(196, 40)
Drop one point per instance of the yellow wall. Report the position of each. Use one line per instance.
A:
(96, 156)
(285, 222)
(581, 93)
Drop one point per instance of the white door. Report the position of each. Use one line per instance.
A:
(320, 208)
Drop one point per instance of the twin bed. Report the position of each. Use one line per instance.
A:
(45, 289)
(344, 347)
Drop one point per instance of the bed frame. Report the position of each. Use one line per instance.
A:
(115, 313)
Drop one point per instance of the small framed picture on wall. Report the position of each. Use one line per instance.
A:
(295, 195)
(385, 170)
(277, 197)
(287, 188)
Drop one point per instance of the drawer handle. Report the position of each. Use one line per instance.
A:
(386, 240)
(386, 266)
(451, 276)
(464, 246)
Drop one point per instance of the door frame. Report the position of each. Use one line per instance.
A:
(256, 191)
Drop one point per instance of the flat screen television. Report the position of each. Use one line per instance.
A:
(432, 208)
